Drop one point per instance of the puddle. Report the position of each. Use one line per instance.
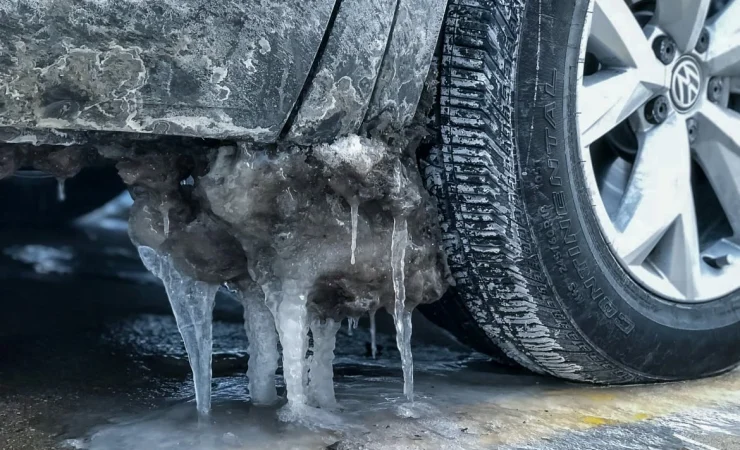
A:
(123, 383)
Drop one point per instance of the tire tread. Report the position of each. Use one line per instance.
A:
(474, 174)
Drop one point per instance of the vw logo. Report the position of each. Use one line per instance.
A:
(685, 84)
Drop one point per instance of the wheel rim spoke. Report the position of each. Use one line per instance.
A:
(723, 54)
(657, 192)
(735, 85)
(683, 20)
(718, 152)
(607, 98)
(617, 39)
(677, 255)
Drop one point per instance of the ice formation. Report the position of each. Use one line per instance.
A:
(292, 325)
(320, 373)
(373, 344)
(192, 303)
(275, 217)
(352, 323)
(402, 317)
(259, 325)
(354, 206)
(61, 193)
(165, 218)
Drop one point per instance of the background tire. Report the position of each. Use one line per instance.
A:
(533, 271)
(32, 199)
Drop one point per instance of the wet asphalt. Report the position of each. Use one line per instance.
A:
(90, 358)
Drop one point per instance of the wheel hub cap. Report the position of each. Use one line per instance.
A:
(686, 83)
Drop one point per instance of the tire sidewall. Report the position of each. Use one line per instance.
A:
(646, 334)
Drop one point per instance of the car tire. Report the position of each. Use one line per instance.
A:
(533, 270)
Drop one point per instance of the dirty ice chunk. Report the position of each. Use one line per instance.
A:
(354, 207)
(292, 325)
(61, 192)
(401, 317)
(373, 345)
(320, 372)
(361, 154)
(192, 304)
(263, 350)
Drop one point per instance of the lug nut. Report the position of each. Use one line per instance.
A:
(693, 128)
(656, 110)
(703, 43)
(665, 49)
(714, 90)
(719, 261)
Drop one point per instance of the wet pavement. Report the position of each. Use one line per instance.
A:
(90, 358)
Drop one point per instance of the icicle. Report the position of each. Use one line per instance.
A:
(373, 346)
(354, 206)
(165, 211)
(272, 298)
(349, 326)
(320, 372)
(61, 192)
(292, 326)
(263, 351)
(403, 341)
(401, 317)
(192, 304)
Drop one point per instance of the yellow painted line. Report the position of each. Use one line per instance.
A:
(593, 420)
(534, 413)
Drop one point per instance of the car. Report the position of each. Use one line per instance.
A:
(583, 156)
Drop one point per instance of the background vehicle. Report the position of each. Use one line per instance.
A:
(586, 163)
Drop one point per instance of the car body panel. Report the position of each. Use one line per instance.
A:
(222, 69)
(262, 70)
(338, 97)
(406, 63)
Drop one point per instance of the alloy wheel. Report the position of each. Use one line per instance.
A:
(659, 128)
